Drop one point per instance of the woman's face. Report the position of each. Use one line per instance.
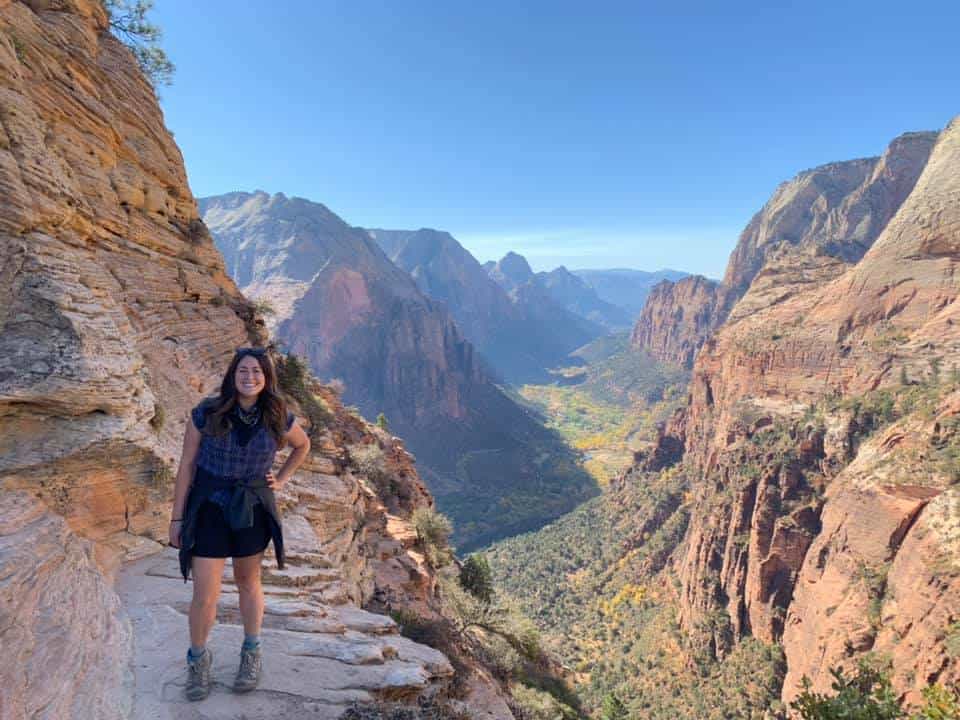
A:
(249, 377)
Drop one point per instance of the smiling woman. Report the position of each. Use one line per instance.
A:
(224, 504)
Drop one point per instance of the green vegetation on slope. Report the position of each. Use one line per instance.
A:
(596, 585)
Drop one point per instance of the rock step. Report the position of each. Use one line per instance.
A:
(318, 658)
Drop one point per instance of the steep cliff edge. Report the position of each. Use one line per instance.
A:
(813, 227)
(117, 316)
(802, 514)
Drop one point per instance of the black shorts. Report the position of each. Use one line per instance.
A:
(213, 537)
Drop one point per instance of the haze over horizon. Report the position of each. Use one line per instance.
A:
(632, 137)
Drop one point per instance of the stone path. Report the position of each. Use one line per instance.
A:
(319, 656)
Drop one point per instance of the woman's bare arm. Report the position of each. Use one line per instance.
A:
(300, 443)
(188, 463)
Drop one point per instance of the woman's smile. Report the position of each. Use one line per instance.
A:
(249, 378)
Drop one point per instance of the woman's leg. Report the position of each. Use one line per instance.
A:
(207, 573)
(246, 573)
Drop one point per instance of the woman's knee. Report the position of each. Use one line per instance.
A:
(246, 575)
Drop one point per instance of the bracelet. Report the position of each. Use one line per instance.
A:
(176, 520)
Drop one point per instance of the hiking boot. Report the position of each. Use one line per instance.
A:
(198, 676)
(248, 676)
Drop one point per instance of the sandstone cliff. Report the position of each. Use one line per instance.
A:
(822, 429)
(677, 318)
(117, 316)
(812, 228)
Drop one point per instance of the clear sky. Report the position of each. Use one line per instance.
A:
(596, 134)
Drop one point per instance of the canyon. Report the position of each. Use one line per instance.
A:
(808, 489)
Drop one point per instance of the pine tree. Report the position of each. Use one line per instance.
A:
(128, 21)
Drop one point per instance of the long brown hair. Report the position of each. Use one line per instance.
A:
(271, 401)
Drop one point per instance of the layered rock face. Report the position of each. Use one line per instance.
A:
(811, 230)
(116, 310)
(807, 529)
(677, 319)
(360, 318)
(117, 316)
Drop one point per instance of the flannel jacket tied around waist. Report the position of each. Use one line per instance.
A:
(231, 470)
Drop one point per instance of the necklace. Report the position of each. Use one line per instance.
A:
(248, 417)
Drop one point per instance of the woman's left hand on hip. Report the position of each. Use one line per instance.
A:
(274, 482)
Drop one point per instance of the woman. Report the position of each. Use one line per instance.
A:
(224, 505)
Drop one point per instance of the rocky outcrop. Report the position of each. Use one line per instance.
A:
(362, 320)
(64, 634)
(799, 536)
(677, 319)
(812, 229)
(117, 316)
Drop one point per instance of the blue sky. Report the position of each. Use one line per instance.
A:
(602, 134)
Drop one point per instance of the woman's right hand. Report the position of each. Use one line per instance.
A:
(175, 526)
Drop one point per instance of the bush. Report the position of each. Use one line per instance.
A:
(382, 422)
(433, 533)
(865, 696)
(293, 376)
(940, 703)
(613, 708)
(477, 578)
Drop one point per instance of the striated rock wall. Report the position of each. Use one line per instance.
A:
(801, 517)
(677, 318)
(811, 230)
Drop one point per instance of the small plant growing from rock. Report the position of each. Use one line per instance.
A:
(159, 417)
(293, 377)
(370, 462)
(263, 307)
(433, 533)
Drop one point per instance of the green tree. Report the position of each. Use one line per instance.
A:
(128, 21)
(613, 708)
(476, 577)
(865, 696)
(382, 422)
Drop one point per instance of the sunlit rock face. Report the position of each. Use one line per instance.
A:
(806, 529)
(813, 228)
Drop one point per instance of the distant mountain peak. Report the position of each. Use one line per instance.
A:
(512, 270)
